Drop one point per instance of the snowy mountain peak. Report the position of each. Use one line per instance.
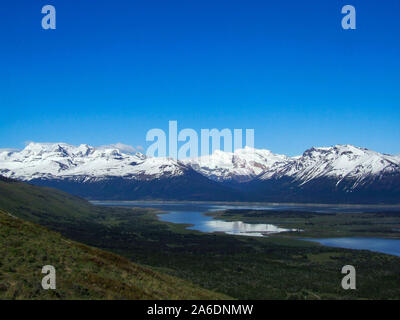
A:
(339, 162)
(40, 148)
(240, 165)
(339, 149)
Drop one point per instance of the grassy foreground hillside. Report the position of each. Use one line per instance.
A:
(83, 272)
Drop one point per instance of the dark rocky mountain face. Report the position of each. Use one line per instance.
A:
(191, 186)
(376, 190)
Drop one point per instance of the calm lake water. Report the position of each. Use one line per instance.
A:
(388, 246)
(204, 223)
(193, 214)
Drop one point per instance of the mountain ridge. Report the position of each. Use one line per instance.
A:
(248, 174)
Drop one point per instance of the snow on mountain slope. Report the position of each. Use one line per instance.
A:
(340, 162)
(241, 165)
(348, 166)
(60, 160)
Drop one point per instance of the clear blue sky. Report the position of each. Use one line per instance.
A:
(114, 69)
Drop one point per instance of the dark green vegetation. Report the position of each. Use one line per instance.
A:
(385, 224)
(241, 267)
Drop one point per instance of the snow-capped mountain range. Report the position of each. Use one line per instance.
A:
(339, 173)
(342, 173)
(339, 162)
(61, 160)
(241, 166)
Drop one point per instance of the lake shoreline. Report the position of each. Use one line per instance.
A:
(392, 245)
(273, 204)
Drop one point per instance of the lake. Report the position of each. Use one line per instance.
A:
(193, 214)
(204, 223)
(388, 246)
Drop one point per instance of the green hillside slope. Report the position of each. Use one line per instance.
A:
(82, 272)
(43, 205)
